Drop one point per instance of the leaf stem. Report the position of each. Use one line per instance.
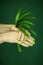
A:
(19, 48)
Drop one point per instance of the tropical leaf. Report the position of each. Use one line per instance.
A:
(24, 28)
(23, 19)
(23, 31)
(17, 16)
(26, 22)
(33, 32)
(25, 25)
(24, 16)
(19, 48)
(31, 17)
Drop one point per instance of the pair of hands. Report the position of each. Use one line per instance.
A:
(9, 33)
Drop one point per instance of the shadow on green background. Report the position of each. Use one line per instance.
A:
(9, 54)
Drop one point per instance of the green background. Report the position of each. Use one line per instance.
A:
(9, 54)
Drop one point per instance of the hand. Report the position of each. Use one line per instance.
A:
(16, 36)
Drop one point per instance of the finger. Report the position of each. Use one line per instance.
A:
(28, 43)
(22, 37)
(28, 32)
(23, 44)
(31, 38)
(31, 42)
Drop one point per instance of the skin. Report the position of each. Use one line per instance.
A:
(9, 33)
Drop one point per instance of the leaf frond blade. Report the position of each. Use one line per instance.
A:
(24, 32)
(33, 32)
(17, 16)
(19, 48)
(31, 17)
(25, 15)
(26, 22)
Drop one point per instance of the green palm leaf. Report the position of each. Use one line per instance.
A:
(17, 16)
(25, 26)
(19, 48)
(23, 16)
(33, 32)
(26, 22)
(31, 17)
(23, 31)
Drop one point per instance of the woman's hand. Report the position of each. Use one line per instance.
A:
(13, 35)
